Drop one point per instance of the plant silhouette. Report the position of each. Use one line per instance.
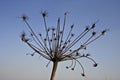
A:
(55, 48)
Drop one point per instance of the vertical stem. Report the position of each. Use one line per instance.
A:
(54, 70)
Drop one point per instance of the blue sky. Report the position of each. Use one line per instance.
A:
(15, 65)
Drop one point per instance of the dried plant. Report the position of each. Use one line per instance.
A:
(55, 48)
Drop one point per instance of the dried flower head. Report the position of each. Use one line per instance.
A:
(24, 17)
(56, 46)
(44, 13)
(104, 31)
(95, 65)
(83, 74)
(23, 37)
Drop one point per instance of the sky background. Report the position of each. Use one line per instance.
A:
(15, 65)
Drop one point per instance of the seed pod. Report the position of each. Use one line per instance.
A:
(95, 65)
(83, 74)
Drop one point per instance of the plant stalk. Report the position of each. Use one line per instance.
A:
(55, 64)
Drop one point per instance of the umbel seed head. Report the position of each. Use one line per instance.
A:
(59, 44)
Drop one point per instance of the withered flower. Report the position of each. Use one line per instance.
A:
(56, 46)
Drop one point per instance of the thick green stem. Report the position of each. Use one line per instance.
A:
(54, 70)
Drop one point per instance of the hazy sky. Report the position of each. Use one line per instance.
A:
(15, 65)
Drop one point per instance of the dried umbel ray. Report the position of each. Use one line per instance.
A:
(55, 48)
